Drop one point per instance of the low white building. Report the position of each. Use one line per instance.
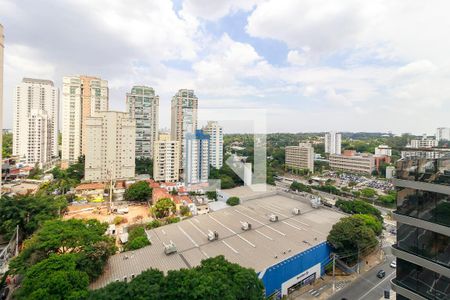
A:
(383, 150)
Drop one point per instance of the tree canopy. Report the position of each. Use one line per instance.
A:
(139, 191)
(29, 212)
(144, 166)
(351, 237)
(163, 207)
(137, 238)
(215, 278)
(85, 237)
(358, 207)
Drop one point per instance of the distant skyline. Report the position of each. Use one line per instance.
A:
(315, 65)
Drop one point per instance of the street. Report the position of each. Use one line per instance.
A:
(369, 286)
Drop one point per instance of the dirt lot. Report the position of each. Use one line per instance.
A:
(136, 213)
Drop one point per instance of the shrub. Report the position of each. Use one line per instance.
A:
(232, 201)
(118, 220)
(154, 224)
(173, 220)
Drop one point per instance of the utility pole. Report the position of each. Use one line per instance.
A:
(334, 275)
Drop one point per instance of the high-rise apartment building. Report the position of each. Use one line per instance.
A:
(423, 228)
(143, 106)
(443, 134)
(2, 46)
(166, 159)
(300, 157)
(333, 142)
(215, 132)
(184, 108)
(35, 127)
(110, 146)
(196, 169)
(82, 97)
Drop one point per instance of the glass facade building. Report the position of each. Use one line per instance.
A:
(423, 228)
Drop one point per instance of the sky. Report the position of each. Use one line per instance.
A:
(312, 65)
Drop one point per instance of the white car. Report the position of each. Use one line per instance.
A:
(394, 264)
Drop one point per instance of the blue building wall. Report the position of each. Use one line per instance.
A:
(274, 276)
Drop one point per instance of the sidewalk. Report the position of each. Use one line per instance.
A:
(322, 289)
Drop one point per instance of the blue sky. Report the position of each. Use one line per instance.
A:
(314, 65)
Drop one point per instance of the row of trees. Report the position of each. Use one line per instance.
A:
(28, 212)
(215, 278)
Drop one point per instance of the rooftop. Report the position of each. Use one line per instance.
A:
(264, 245)
(90, 186)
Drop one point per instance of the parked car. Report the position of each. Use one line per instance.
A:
(381, 274)
(393, 264)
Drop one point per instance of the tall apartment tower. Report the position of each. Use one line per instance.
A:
(110, 146)
(166, 159)
(82, 97)
(215, 132)
(333, 142)
(143, 106)
(300, 157)
(443, 133)
(423, 228)
(196, 169)
(2, 46)
(183, 118)
(35, 127)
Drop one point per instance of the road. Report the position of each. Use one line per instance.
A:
(369, 286)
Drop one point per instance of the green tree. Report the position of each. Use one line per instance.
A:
(371, 221)
(226, 182)
(368, 192)
(139, 191)
(358, 207)
(60, 237)
(351, 237)
(215, 278)
(300, 187)
(144, 166)
(232, 201)
(36, 172)
(163, 207)
(7, 145)
(28, 212)
(185, 211)
(212, 195)
(56, 277)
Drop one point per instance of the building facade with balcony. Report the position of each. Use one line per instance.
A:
(143, 106)
(166, 159)
(300, 157)
(423, 228)
(353, 162)
(110, 138)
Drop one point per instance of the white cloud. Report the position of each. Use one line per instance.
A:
(213, 10)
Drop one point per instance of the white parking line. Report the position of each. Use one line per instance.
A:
(293, 226)
(234, 250)
(234, 232)
(196, 227)
(268, 226)
(204, 253)
(188, 236)
(364, 296)
(162, 230)
(272, 211)
(266, 236)
(198, 222)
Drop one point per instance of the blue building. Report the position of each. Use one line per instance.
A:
(196, 168)
(296, 271)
